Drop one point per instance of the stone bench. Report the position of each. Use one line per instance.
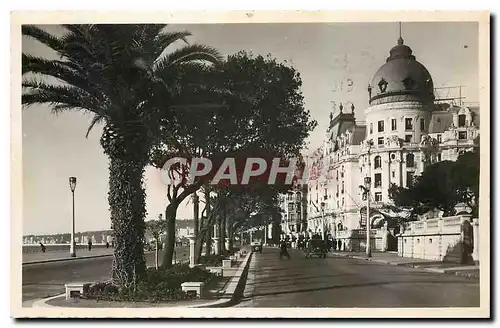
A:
(193, 286)
(75, 289)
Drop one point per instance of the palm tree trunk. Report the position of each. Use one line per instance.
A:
(170, 214)
(127, 206)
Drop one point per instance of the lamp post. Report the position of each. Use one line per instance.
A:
(72, 186)
(323, 220)
(367, 191)
(367, 188)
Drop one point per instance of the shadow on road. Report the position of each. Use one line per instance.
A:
(306, 290)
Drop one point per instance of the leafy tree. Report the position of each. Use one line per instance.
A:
(124, 76)
(261, 112)
(442, 185)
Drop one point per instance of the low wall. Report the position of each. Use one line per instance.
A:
(355, 240)
(32, 248)
(437, 239)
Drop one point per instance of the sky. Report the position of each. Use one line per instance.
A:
(336, 63)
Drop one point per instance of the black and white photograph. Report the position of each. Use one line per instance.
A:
(250, 165)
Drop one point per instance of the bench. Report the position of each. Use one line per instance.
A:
(193, 286)
(75, 289)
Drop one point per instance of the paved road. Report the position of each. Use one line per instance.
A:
(47, 279)
(345, 282)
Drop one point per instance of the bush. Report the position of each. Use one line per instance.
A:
(156, 286)
(212, 260)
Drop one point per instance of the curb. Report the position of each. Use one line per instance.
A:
(231, 293)
(72, 258)
(462, 272)
(67, 259)
(234, 289)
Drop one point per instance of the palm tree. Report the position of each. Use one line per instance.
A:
(125, 76)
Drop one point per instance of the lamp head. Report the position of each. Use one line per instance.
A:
(72, 183)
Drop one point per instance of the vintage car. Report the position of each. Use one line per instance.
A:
(256, 246)
(316, 247)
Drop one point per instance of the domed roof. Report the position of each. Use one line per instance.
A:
(401, 78)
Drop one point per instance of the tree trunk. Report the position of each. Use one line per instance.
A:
(156, 253)
(223, 234)
(208, 241)
(208, 236)
(170, 214)
(199, 248)
(196, 219)
(200, 239)
(126, 198)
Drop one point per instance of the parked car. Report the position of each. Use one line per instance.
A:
(256, 246)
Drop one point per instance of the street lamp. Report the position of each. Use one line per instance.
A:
(366, 191)
(72, 186)
(323, 220)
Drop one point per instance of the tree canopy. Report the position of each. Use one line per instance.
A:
(442, 185)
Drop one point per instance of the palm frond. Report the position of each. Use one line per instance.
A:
(95, 120)
(60, 97)
(42, 36)
(164, 40)
(189, 53)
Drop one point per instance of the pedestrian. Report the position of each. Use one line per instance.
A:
(43, 247)
(107, 244)
(284, 251)
(90, 245)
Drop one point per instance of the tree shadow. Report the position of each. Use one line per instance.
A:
(278, 279)
(307, 290)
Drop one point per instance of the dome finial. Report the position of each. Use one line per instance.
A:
(400, 40)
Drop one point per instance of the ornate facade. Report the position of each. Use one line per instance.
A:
(406, 129)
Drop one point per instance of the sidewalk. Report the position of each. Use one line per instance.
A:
(37, 257)
(471, 271)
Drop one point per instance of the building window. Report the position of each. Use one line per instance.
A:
(422, 124)
(393, 174)
(378, 196)
(461, 120)
(378, 180)
(439, 157)
(408, 124)
(337, 175)
(408, 138)
(462, 135)
(409, 179)
(410, 160)
(378, 162)
(439, 138)
(380, 140)
(393, 124)
(342, 191)
(371, 128)
(380, 126)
